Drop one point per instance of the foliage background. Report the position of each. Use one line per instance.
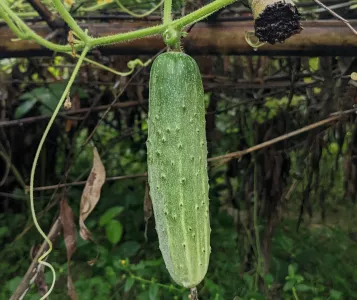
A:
(305, 185)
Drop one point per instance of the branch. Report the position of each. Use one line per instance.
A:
(52, 21)
(115, 178)
(34, 268)
(227, 157)
(348, 24)
(21, 122)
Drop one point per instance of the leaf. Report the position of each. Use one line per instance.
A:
(291, 270)
(289, 285)
(71, 289)
(147, 209)
(248, 280)
(268, 279)
(69, 233)
(24, 108)
(153, 291)
(128, 249)
(335, 295)
(91, 193)
(128, 284)
(69, 228)
(147, 203)
(302, 287)
(110, 214)
(114, 231)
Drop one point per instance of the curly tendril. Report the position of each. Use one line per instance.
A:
(172, 37)
(256, 44)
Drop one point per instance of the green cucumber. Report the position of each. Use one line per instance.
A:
(177, 166)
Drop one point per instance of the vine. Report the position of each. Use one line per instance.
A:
(33, 169)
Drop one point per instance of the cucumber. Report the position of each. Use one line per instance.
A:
(177, 166)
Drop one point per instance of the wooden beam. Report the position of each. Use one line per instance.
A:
(319, 38)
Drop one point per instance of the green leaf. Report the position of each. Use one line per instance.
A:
(335, 295)
(248, 280)
(110, 214)
(128, 284)
(268, 279)
(153, 291)
(289, 285)
(128, 249)
(24, 108)
(114, 231)
(13, 283)
(303, 287)
(291, 270)
(3, 231)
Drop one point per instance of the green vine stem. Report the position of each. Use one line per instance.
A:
(254, 44)
(70, 21)
(295, 294)
(135, 15)
(33, 169)
(13, 20)
(182, 22)
(131, 65)
(121, 37)
(167, 12)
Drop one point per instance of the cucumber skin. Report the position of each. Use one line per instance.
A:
(177, 166)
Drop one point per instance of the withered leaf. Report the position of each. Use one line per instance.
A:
(69, 228)
(71, 290)
(69, 233)
(147, 208)
(147, 204)
(91, 193)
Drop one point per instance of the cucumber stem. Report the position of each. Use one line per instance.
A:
(193, 294)
(167, 11)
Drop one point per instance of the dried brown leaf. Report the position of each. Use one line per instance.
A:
(147, 209)
(71, 290)
(147, 204)
(69, 233)
(91, 193)
(69, 228)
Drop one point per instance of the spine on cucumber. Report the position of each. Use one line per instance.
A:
(177, 166)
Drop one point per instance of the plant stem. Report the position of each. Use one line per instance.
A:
(70, 21)
(167, 11)
(13, 19)
(182, 22)
(255, 221)
(135, 15)
(137, 278)
(295, 294)
(34, 165)
(14, 170)
(121, 37)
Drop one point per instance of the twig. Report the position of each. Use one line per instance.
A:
(51, 187)
(337, 16)
(226, 157)
(33, 270)
(48, 17)
(14, 170)
(23, 121)
(229, 156)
